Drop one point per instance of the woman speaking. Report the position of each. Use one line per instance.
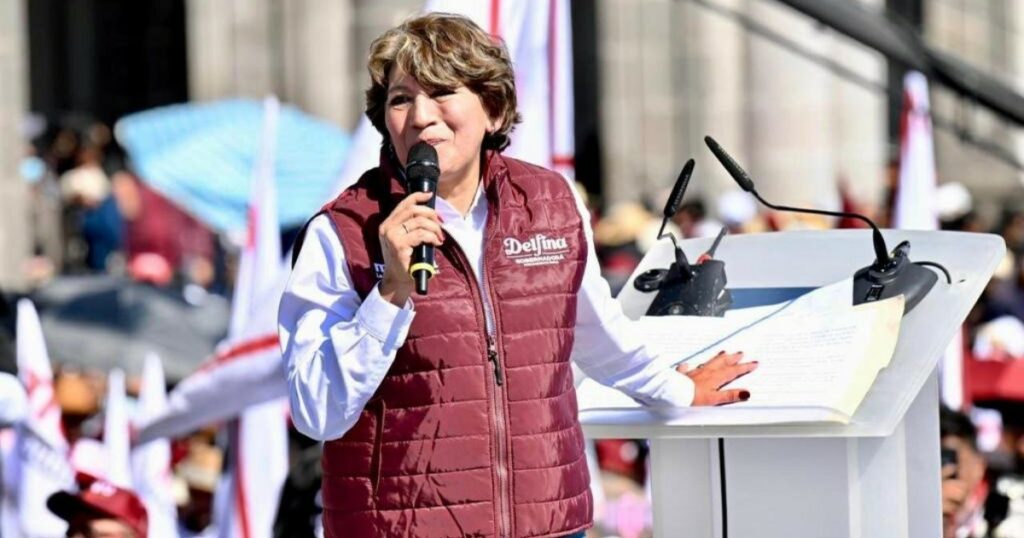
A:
(454, 413)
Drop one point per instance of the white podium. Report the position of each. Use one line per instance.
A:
(876, 477)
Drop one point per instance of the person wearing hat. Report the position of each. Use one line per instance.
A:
(100, 510)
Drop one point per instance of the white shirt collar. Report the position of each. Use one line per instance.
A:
(475, 218)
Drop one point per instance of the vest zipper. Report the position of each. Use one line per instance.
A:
(504, 505)
(492, 355)
(498, 401)
(502, 465)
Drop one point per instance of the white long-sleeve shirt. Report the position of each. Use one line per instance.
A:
(338, 348)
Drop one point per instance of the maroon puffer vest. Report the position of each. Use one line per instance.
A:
(465, 436)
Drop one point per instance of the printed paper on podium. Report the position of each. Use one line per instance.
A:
(817, 355)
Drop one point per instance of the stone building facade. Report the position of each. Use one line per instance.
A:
(669, 72)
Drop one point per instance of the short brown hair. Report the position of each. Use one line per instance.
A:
(444, 51)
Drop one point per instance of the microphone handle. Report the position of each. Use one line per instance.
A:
(422, 268)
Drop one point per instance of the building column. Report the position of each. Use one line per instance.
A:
(317, 49)
(230, 48)
(860, 121)
(639, 106)
(711, 90)
(14, 219)
(791, 127)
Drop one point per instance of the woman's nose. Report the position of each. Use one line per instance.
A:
(424, 112)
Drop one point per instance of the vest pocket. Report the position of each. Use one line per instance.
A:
(380, 409)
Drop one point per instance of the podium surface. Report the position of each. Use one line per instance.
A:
(877, 475)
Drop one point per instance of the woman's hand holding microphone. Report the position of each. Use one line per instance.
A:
(408, 226)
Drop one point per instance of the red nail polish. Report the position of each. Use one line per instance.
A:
(744, 395)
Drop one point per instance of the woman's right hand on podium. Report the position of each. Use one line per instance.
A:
(710, 377)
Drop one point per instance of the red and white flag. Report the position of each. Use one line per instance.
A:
(538, 34)
(40, 465)
(916, 206)
(244, 372)
(246, 501)
(151, 462)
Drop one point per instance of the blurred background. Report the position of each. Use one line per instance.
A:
(129, 132)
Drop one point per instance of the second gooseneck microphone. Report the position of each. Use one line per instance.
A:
(881, 250)
(888, 276)
(421, 173)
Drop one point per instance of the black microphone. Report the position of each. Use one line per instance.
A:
(683, 288)
(887, 277)
(421, 173)
(675, 200)
(747, 184)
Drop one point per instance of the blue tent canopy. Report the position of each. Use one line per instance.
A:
(202, 157)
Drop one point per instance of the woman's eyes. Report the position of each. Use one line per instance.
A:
(399, 100)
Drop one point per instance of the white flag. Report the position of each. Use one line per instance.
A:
(151, 462)
(249, 493)
(538, 34)
(41, 465)
(116, 432)
(916, 206)
(246, 369)
(243, 373)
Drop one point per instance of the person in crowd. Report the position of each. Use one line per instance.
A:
(198, 474)
(964, 484)
(161, 240)
(454, 413)
(100, 510)
(78, 394)
(1006, 295)
(955, 207)
(1011, 227)
(91, 209)
(619, 242)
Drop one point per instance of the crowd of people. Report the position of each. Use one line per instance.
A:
(91, 214)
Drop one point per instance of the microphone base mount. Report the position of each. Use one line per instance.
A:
(901, 276)
(697, 292)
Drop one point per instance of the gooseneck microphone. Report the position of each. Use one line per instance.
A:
(684, 288)
(421, 173)
(889, 275)
(672, 205)
(745, 183)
